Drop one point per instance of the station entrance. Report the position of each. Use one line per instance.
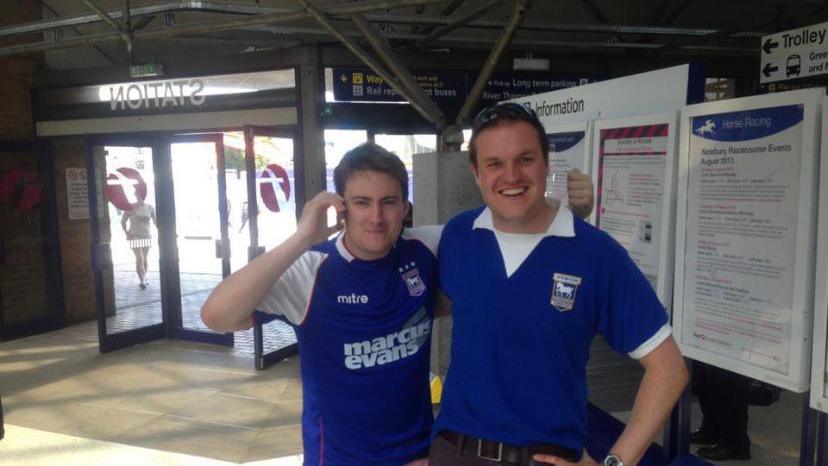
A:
(211, 202)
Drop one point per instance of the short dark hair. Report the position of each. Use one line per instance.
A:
(496, 115)
(373, 157)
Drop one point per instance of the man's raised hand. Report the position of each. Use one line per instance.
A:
(313, 225)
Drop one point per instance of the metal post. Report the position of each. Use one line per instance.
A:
(488, 68)
(822, 434)
(810, 418)
(437, 119)
(398, 68)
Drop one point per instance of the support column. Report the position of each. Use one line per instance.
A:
(310, 82)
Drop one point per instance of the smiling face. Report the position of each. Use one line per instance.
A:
(511, 174)
(374, 213)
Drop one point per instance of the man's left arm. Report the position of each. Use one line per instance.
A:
(665, 375)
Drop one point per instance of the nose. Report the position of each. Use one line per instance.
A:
(512, 172)
(376, 214)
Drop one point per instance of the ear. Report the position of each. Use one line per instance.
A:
(406, 208)
(475, 174)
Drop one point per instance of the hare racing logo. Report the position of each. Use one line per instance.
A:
(564, 291)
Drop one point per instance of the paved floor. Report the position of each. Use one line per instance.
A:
(180, 403)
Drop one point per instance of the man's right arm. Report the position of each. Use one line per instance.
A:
(231, 305)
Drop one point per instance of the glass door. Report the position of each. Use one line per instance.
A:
(274, 167)
(202, 249)
(125, 253)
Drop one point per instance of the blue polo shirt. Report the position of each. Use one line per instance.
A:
(523, 325)
(364, 333)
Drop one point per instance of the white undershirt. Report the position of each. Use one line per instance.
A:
(516, 247)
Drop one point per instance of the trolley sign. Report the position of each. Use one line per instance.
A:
(794, 54)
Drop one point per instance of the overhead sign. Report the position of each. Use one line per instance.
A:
(794, 54)
(449, 89)
(363, 85)
(505, 85)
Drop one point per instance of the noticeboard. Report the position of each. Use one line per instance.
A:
(819, 371)
(634, 172)
(745, 235)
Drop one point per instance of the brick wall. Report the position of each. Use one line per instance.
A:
(22, 270)
(15, 85)
(75, 236)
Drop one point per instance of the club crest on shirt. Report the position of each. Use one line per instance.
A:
(411, 277)
(564, 291)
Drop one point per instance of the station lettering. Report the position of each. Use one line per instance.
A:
(159, 94)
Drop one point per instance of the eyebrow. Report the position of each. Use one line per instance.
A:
(384, 198)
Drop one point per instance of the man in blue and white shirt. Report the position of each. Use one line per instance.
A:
(362, 308)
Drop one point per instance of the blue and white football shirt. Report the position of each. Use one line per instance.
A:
(363, 329)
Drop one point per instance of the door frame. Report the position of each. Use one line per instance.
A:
(102, 256)
(264, 360)
(175, 326)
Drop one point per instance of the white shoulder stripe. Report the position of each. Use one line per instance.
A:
(429, 235)
(652, 343)
(291, 294)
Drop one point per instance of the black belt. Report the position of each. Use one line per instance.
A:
(503, 452)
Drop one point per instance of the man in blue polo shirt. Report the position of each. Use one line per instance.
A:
(530, 285)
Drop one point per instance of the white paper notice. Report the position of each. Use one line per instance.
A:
(631, 163)
(566, 151)
(77, 194)
(741, 233)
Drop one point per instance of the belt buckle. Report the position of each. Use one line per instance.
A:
(480, 454)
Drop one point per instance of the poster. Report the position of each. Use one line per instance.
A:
(741, 232)
(819, 371)
(568, 149)
(77, 195)
(634, 170)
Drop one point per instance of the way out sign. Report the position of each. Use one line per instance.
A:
(794, 54)
(270, 177)
(124, 187)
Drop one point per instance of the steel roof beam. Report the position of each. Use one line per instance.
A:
(476, 91)
(398, 68)
(459, 22)
(436, 118)
(214, 26)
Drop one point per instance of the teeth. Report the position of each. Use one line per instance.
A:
(512, 192)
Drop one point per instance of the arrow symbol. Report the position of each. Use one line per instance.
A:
(343, 78)
(769, 45)
(768, 69)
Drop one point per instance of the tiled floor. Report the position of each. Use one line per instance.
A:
(137, 308)
(175, 403)
(179, 397)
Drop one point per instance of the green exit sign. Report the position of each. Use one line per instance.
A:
(145, 70)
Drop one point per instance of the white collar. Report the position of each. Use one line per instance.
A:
(343, 250)
(562, 225)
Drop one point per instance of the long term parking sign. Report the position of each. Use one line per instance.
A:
(793, 54)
